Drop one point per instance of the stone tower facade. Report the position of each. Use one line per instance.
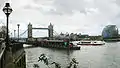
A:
(29, 31)
(50, 31)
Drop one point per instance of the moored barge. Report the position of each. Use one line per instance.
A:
(59, 44)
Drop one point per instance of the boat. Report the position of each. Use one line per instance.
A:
(74, 46)
(58, 44)
(83, 42)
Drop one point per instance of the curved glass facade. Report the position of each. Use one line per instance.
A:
(110, 31)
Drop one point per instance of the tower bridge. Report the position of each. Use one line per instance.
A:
(29, 31)
(30, 28)
(44, 41)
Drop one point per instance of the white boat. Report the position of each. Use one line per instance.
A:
(83, 42)
(74, 45)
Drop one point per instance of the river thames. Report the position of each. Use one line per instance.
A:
(105, 56)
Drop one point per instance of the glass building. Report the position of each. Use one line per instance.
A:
(110, 31)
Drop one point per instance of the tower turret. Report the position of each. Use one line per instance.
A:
(50, 31)
(29, 31)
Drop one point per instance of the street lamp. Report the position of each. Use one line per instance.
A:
(7, 10)
(11, 35)
(14, 33)
(18, 31)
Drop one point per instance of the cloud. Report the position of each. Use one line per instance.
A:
(1, 3)
(69, 6)
(117, 2)
(61, 7)
(82, 16)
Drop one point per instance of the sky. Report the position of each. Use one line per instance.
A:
(72, 16)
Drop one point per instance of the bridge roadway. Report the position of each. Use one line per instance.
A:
(40, 28)
(26, 39)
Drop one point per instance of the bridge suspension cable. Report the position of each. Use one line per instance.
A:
(55, 33)
(23, 32)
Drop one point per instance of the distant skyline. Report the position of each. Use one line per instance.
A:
(72, 16)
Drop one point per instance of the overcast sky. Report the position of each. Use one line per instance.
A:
(77, 16)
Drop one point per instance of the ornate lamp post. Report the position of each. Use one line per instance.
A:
(7, 10)
(11, 35)
(18, 31)
(14, 33)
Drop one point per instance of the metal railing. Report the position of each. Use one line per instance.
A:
(16, 47)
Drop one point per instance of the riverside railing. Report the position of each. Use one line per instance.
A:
(16, 47)
(2, 53)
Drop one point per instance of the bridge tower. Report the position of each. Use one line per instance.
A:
(50, 31)
(29, 32)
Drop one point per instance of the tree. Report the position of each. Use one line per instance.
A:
(73, 63)
(45, 59)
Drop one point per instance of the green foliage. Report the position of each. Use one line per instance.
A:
(73, 63)
(57, 65)
(44, 58)
(36, 66)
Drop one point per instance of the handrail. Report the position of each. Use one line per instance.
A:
(2, 52)
(16, 47)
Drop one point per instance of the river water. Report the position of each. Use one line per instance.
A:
(105, 56)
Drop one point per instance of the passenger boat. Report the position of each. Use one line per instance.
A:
(74, 46)
(90, 42)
